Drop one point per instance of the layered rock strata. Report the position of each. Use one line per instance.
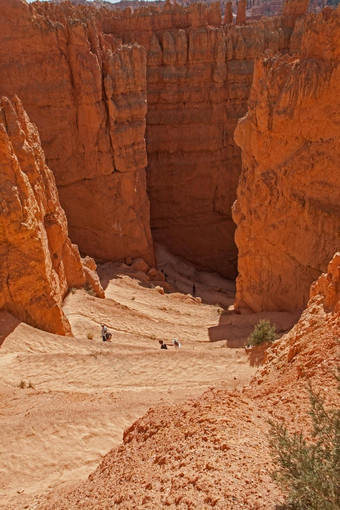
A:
(86, 93)
(38, 263)
(90, 109)
(287, 210)
(198, 81)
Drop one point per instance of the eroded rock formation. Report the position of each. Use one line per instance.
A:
(287, 210)
(90, 110)
(38, 263)
(328, 286)
(86, 93)
(314, 340)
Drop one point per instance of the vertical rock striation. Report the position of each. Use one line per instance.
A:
(191, 178)
(84, 75)
(287, 210)
(87, 94)
(38, 263)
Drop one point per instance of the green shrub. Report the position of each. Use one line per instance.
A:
(309, 471)
(263, 332)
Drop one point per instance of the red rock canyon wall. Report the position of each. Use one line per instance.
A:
(287, 210)
(87, 95)
(198, 79)
(198, 82)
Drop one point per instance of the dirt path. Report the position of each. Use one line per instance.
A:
(65, 402)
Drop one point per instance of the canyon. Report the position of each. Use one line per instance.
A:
(169, 171)
(136, 112)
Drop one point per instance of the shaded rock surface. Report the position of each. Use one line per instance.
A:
(86, 93)
(287, 210)
(88, 99)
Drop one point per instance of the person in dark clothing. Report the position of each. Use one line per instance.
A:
(163, 345)
(194, 290)
(106, 335)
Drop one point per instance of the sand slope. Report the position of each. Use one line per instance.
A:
(84, 393)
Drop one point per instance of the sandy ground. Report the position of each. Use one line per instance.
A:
(65, 402)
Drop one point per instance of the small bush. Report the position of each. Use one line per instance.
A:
(22, 384)
(263, 332)
(309, 472)
(90, 336)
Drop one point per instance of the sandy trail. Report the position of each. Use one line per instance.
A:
(65, 402)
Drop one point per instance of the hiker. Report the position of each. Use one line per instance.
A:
(165, 274)
(106, 335)
(163, 344)
(194, 290)
(176, 343)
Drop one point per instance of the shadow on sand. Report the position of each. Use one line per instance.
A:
(235, 328)
(211, 288)
(116, 270)
(8, 323)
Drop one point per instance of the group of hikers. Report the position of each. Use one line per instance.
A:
(107, 335)
(175, 343)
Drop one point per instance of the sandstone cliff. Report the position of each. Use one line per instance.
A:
(87, 95)
(38, 263)
(287, 209)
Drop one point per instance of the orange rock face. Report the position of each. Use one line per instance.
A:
(198, 84)
(192, 173)
(87, 95)
(38, 263)
(90, 110)
(287, 209)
